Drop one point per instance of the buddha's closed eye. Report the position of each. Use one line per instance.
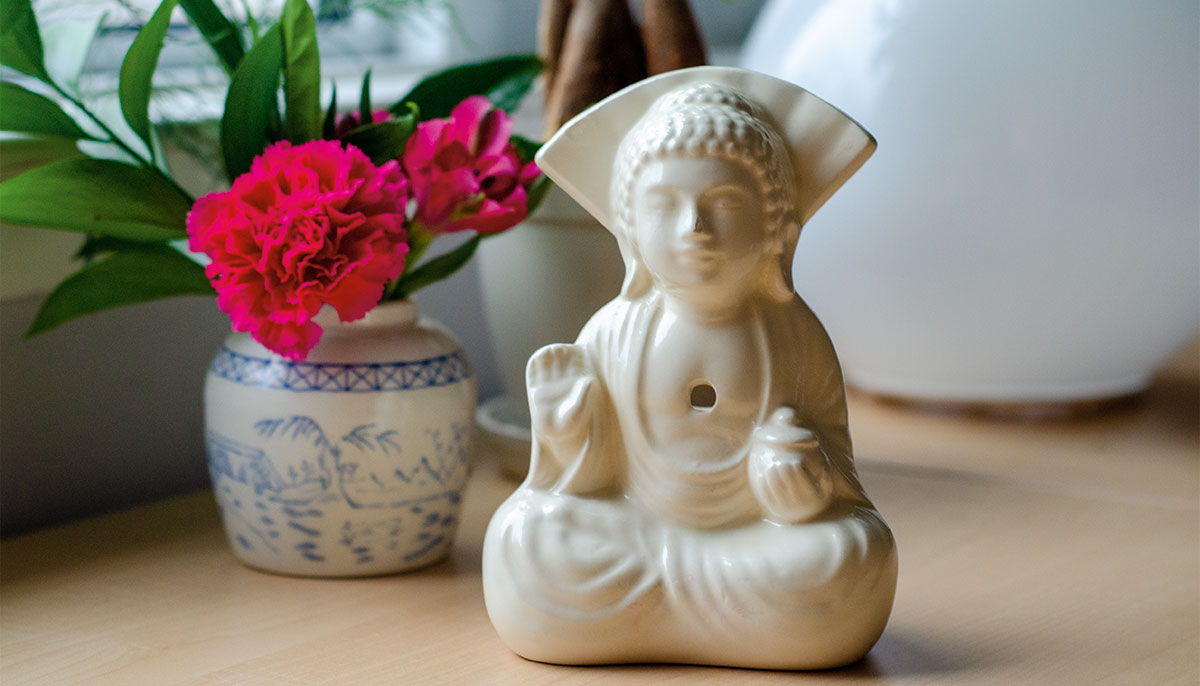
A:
(660, 200)
(726, 199)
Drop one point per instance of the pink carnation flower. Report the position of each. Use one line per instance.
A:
(465, 173)
(310, 225)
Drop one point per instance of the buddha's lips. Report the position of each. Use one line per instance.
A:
(696, 255)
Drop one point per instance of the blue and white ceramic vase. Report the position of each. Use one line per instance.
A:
(350, 463)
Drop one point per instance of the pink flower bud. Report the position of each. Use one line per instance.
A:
(465, 172)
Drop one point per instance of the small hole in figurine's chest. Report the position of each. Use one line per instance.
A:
(702, 396)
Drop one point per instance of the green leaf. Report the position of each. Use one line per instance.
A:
(138, 69)
(124, 278)
(98, 197)
(537, 193)
(218, 31)
(27, 112)
(96, 245)
(20, 153)
(302, 72)
(436, 269)
(526, 149)
(508, 93)
(20, 40)
(246, 127)
(383, 141)
(504, 81)
(364, 101)
(329, 127)
(255, 34)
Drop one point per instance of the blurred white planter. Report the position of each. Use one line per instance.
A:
(541, 281)
(1028, 229)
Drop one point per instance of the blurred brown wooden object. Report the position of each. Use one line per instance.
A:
(671, 36)
(600, 53)
(551, 28)
(593, 48)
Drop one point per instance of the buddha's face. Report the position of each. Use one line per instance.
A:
(699, 223)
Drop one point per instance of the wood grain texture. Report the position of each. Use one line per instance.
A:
(1061, 553)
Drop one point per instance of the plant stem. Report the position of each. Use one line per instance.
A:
(418, 242)
(116, 140)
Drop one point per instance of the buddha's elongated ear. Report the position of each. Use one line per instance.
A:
(778, 277)
(637, 277)
(791, 234)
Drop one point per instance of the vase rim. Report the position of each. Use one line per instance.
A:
(390, 313)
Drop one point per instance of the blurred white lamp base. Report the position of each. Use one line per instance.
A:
(1029, 229)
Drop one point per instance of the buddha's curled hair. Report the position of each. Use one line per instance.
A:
(706, 120)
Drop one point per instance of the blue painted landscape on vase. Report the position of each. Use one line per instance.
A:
(361, 494)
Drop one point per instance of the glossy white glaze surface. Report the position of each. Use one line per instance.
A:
(350, 463)
(692, 494)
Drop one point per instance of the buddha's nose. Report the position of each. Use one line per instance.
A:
(693, 225)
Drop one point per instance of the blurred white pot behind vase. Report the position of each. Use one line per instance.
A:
(540, 281)
(1029, 229)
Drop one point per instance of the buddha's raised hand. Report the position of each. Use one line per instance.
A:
(561, 384)
(789, 473)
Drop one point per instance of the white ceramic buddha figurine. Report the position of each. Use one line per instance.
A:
(692, 496)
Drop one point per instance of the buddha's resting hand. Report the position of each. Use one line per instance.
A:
(562, 389)
(789, 472)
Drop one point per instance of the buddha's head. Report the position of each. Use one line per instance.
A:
(703, 192)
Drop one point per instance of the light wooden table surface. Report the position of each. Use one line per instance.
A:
(1056, 553)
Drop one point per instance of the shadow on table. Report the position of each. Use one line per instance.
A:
(895, 655)
(181, 525)
(898, 655)
(1177, 399)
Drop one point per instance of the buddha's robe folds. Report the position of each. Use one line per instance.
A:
(616, 555)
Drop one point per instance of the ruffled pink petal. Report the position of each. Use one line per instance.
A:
(293, 341)
(308, 225)
(354, 297)
(204, 221)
